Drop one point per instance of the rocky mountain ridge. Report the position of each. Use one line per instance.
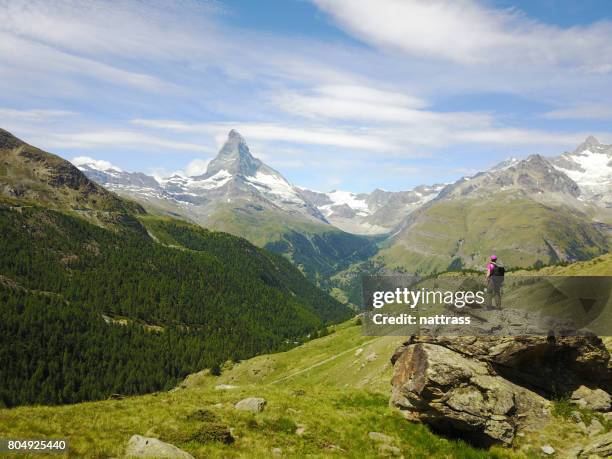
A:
(583, 175)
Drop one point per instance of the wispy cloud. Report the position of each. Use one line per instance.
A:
(581, 112)
(35, 114)
(165, 77)
(470, 32)
(114, 138)
(276, 132)
(367, 104)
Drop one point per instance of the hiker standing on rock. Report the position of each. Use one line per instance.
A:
(495, 279)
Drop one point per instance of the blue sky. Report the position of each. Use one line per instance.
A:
(346, 94)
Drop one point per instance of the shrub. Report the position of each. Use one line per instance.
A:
(213, 432)
(203, 416)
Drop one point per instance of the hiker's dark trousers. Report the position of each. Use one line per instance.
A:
(494, 291)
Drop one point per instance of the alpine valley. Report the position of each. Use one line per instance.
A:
(118, 289)
(88, 246)
(241, 195)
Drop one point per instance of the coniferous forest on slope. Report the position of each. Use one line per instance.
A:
(190, 301)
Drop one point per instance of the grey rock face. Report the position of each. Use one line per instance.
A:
(547, 449)
(534, 175)
(140, 446)
(590, 166)
(234, 157)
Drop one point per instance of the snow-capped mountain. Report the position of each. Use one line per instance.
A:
(233, 175)
(535, 176)
(427, 228)
(377, 212)
(528, 211)
(237, 178)
(590, 166)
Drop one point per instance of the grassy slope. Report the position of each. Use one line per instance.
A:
(338, 402)
(318, 250)
(599, 266)
(258, 226)
(519, 230)
(336, 387)
(323, 385)
(30, 174)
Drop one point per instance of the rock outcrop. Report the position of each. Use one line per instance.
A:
(548, 365)
(486, 389)
(140, 446)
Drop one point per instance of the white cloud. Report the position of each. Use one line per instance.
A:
(196, 167)
(468, 32)
(99, 164)
(582, 112)
(406, 141)
(143, 45)
(520, 137)
(114, 138)
(29, 56)
(366, 104)
(370, 94)
(123, 28)
(32, 114)
(347, 138)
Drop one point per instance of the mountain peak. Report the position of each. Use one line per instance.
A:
(234, 157)
(590, 141)
(234, 134)
(235, 144)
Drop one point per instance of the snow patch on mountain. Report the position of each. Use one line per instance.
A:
(274, 185)
(590, 166)
(593, 171)
(506, 164)
(341, 198)
(216, 181)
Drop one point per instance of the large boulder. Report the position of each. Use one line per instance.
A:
(548, 365)
(462, 396)
(140, 446)
(252, 404)
(487, 388)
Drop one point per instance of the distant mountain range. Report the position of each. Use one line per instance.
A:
(528, 212)
(536, 210)
(235, 179)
